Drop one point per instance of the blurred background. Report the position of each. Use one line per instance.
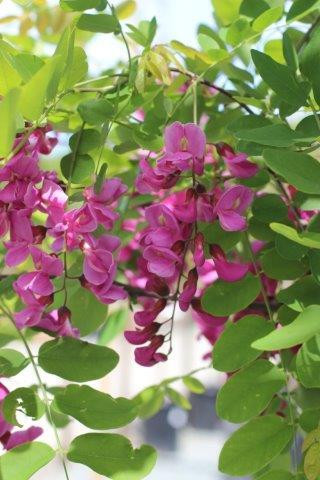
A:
(188, 442)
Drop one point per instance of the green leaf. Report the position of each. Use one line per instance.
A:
(307, 239)
(12, 362)
(226, 11)
(253, 387)
(34, 93)
(300, 294)
(193, 384)
(289, 249)
(308, 361)
(310, 61)
(23, 461)
(279, 268)
(266, 18)
(278, 135)
(76, 360)
(299, 169)
(100, 178)
(289, 52)
(77, 167)
(114, 325)
(78, 5)
(280, 78)
(9, 120)
(277, 475)
(89, 140)
(9, 77)
(269, 207)
(314, 262)
(95, 409)
(112, 455)
(96, 111)
(300, 7)
(178, 399)
(240, 294)
(252, 8)
(149, 401)
(24, 399)
(305, 326)
(233, 348)
(87, 314)
(27, 65)
(78, 68)
(102, 23)
(309, 419)
(213, 233)
(254, 445)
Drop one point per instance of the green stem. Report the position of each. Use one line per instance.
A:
(41, 386)
(282, 363)
(195, 104)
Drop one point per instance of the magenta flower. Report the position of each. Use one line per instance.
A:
(238, 164)
(111, 191)
(58, 322)
(148, 356)
(21, 237)
(228, 271)
(153, 180)
(141, 336)
(184, 143)
(210, 326)
(145, 317)
(164, 229)
(189, 290)
(198, 250)
(11, 440)
(161, 261)
(231, 206)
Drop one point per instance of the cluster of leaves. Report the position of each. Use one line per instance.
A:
(273, 377)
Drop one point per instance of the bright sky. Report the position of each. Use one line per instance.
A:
(177, 19)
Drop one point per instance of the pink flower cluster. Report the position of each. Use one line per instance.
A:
(173, 247)
(26, 190)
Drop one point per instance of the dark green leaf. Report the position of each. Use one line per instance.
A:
(300, 294)
(77, 167)
(253, 387)
(76, 360)
(89, 140)
(233, 348)
(254, 445)
(269, 208)
(277, 475)
(240, 294)
(100, 178)
(87, 314)
(24, 399)
(112, 455)
(96, 111)
(308, 361)
(301, 6)
(280, 78)
(299, 169)
(95, 409)
(279, 268)
(289, 52)
(289, 249)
